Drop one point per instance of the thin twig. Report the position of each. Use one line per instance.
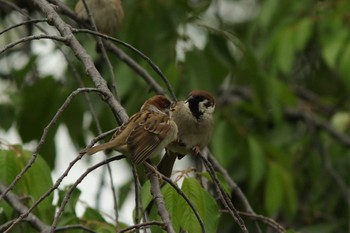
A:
(36, 152)
(146, 58)
(159, 200)
(114, 195)
(76, 183)
(138, 200)
(233, 186)
(141, 225)
(79, 51)
(33, 37)
(103, 50)
(269, 221)
(45, 133)
(323, 150)
(15, 202)
(114, 49)
(32, 21)
(224, 197)
(72, 227)
(182, 194)
(317, 122)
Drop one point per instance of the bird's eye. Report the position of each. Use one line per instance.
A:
(207, 103)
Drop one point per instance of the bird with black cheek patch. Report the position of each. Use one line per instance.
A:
(194, 119)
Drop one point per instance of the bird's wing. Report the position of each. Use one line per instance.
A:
(151, 129)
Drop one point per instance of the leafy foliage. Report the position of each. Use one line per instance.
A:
(279, 56)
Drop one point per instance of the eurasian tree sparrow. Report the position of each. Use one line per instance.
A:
(194, 119)
(107, 14)
(145, 134)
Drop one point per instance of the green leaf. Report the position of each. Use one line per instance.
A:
(267, 12)
(221, 148)
(7, 114)
(37, 107)
(172, 202)
(93, 214)
(146, 196)
(33, 184)
(73, 199)
(205, 205)
(302, 33)
(333, 45)
(344, 67)
(257, 162)
(274, 189)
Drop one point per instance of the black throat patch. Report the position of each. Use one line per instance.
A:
(193, 103)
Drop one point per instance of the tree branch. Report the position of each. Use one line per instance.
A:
(76, 183)
(159, 200)
(84, 57)
(15, 202)
(224, 197)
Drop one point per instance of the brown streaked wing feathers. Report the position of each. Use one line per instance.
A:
(136, 117)
(147, 136)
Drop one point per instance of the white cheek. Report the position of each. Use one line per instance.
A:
(206, 110)
(210, 109)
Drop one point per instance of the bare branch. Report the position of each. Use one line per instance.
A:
(182, 194)
(103, 50)
(76, 183)
(159, 200)
(233, 186)
(33, 37)
(269, 221)
(138, 199)
(117, 51)
(15, 202)
(114, 195)
(71, 227)
(224, 197)
(32, 21)
(146, 58)
(80, 52)
(36, 151)
(141, 225)
(317, 122)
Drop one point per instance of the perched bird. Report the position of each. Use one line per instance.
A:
(194, 119)
(145, 134)
(107, 14)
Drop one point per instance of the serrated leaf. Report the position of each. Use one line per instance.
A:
(172, 202)
(205, 205)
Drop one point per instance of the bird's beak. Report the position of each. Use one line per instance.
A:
(172, 106)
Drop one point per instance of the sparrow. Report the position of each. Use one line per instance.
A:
(145, 134)
(194, 119)
(107, 14)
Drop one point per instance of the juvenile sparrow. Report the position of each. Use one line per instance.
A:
(107, 14)
(194, 119)
(145, 134)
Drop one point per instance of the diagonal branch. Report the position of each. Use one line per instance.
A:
(14, 201)
(76, 183)
(79, 51)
